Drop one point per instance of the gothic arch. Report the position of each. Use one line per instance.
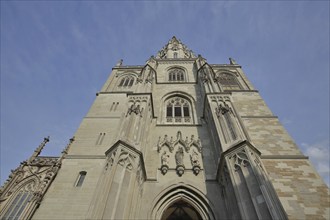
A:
(190, 101)
(126, 80)
(176, 67)
(181, 193)
(228, 80)
(24, 194)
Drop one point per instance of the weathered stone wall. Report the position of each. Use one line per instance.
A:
(300, 189)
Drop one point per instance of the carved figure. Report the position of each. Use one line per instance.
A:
(194, 157)
(120, 62)
(165, 158)
(179, 157)
(135, 109)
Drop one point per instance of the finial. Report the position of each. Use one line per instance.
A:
(39, 149)
(120, 62)
(232, 61)
(65, 151)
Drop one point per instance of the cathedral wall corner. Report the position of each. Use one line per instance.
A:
(300, 189)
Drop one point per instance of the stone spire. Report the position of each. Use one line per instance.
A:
(39, 149)
(175, 49)
(66, 149)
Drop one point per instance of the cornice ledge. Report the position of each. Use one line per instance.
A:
(77, 156)
(259, 116)
(114, 92)
(276, 157)
(178, 125)
(242, 90)
(176, 59)
(226, 65)
(128, 67)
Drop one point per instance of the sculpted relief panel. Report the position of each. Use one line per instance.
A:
(174, 154)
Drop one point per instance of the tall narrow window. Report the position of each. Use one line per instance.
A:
(122, 82)
(126, 81)
(176, 74)
(18, 205)
(100, 139)
(186, 111)
(131, 81)
(175, 55)
(81, 178)
(169, 111)
(178, 110)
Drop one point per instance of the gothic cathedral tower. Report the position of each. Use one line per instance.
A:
(176, 138)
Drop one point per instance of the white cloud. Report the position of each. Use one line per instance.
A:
(286, 121)
(319, 155)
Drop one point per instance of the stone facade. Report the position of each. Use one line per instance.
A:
(174, 138)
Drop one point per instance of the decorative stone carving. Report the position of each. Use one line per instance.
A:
(135, 109)
(150, 76)
(174, 45)
(110, 160)
(120, 62)
(165, 163)
(232, 61)
(204, 77)
(165, 158)
(226, 119)
(125, 161)
(32, 177)
(179, 161)
(194, 158)
(240, 159)
(185, 143)
(222, 109)
(179, 156)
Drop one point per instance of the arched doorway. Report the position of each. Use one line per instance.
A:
(181, 210)
(181, 202)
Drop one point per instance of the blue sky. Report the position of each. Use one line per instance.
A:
(55, 56)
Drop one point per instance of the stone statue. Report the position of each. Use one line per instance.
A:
(232, 61)
(165, 158)
(194, 158)
(179, 157)
(120, 62)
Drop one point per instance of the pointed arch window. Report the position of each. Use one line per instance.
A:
(178, 110)
(18, 205)
(176, 74)
(126, 81)
(228, 81)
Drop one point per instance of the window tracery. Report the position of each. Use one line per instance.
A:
(228, 81)
(126, 81)
(178, 110)
(176, 74)
(18, 205)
